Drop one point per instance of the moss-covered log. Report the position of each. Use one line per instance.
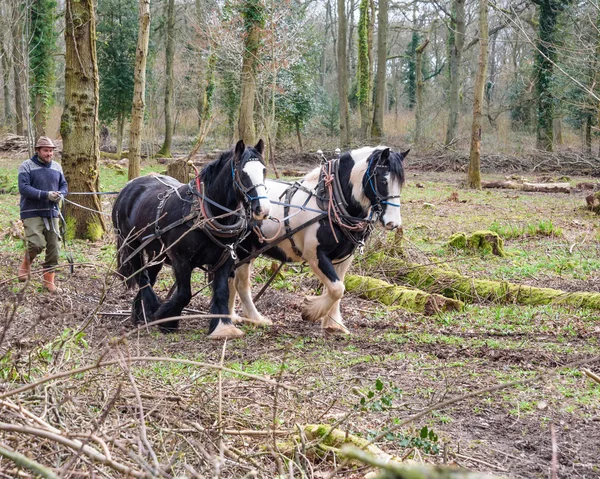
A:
(485, 242)
(454, 285)
(406, 298)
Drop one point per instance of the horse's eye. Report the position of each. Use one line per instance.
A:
(384, 181)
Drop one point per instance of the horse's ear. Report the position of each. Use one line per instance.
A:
(405, 154)
(239, 148)
(260, 146)
(385, 155)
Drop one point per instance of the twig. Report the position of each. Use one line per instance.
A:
(101, 364)
(220, 406)
(23, 461)
(554, 467)
(591, 375)
(142, 421)
(73, 444)
(474, 459)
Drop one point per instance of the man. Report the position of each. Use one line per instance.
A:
(41, 184)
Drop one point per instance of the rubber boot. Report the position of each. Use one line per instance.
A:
(25, 268)
(48, 282)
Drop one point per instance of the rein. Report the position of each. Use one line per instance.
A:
(203, 217)
(336, 204)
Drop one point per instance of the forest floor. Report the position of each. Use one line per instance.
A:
(199, 422)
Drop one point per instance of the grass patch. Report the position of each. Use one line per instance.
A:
(512, 231)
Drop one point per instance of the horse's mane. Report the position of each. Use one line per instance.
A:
(210, 174)
(354, 163)
(373, 153)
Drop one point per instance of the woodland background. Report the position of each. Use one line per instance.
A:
(542, 69)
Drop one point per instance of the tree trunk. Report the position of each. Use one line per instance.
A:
(419, 91)
(254, 22)
(6, 66)
(380, 79)
(544, 66)
(588, 134)
(299, 135)
(139, 91)
(351, 57)
(41, 61)
(120, 132)
(79, 122)
(342, 62)
(18, 65)
(201, 63)
(474, 173)
(456, 42)
(169, 60)
(363, 70)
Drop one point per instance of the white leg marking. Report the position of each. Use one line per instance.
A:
(244, 289)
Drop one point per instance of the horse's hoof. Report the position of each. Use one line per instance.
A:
(169, 328)
(330, 330)
(331, 326)
(236, 319)
(225, 331)
(306, 316)
(262, 321)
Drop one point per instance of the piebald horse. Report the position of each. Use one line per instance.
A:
(368, 182)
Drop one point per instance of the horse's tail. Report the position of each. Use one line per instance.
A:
(125, 265)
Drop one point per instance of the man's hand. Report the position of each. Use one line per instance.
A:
(54, 196)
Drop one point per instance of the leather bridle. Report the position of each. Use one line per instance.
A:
(245, 190)
(371, 179)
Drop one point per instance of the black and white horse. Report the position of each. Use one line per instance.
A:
(366, 183)
(159, 220)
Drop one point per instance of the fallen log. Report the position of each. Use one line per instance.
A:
(406, 298)
(396, 470)
(455, 285)
(525, 186)
(325, 439)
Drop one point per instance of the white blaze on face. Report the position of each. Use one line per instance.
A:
(256, 172)
(391, 218)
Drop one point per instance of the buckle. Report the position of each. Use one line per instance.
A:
(231, 247)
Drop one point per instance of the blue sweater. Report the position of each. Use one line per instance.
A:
(36, 180)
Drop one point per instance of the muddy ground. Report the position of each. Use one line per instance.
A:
(193, 418)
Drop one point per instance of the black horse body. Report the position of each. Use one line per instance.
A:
(369, 179)
(144, 214)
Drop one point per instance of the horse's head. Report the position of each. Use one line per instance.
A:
(382, 184)
(249, 170)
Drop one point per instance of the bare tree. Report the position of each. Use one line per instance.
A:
(419, 93)
(139, 90)
(456, 40)
(18, 61)
(253, 13)
(169, 60)
(380, 79)
(342, 73)
(474, 173)
(79, 122)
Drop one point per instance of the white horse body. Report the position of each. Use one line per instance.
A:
(327, 306)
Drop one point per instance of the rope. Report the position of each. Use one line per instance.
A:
(333, 210)
(85, 207)
(262, 238)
